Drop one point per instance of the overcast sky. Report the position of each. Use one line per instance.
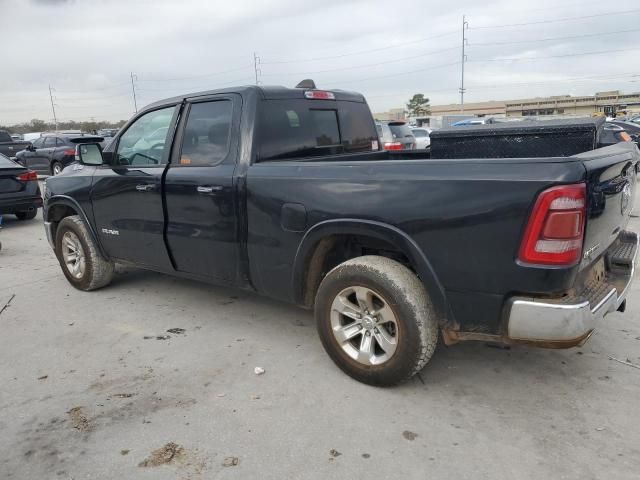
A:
(387, 50)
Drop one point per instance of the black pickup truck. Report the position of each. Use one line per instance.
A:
(287, 192)
(9, 146)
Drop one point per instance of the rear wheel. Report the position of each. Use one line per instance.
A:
(29, 215)
(78, 255)
(375, 320)
(56, 168)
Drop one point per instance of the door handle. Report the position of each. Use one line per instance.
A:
(145, 187)
(208, 188)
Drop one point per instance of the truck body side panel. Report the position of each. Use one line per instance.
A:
(466, 216)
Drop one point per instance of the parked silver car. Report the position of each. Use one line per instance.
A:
(396, 135)
(423, 141)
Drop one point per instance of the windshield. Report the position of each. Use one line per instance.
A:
(6, 161)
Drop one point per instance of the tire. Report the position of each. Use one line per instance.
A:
(28, 215)
(56, 168)
(90, 271)
(393, 292)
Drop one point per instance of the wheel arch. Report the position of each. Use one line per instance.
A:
(61, 206)
(319, 241)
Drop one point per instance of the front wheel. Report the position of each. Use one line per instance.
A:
(78, 255)
(375, 320)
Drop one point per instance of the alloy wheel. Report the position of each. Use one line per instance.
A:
(73, 255)
(364, 325)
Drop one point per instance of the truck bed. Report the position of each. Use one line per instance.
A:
(466, 216)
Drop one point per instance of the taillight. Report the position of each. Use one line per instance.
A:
(392, 146)
(28, 176)
(555, 230)
(319, 95)
(70, 151)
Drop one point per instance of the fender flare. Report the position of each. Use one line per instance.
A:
(72, 203)
(382, 231)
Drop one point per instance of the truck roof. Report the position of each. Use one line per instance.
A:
(265, 91)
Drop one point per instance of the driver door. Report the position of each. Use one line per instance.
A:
(127, 195)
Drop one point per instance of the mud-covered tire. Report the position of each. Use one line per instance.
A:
(28, 215)
(415, 322)
(97, 271)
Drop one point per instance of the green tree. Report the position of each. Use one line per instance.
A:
(418, 105)
(38, 125)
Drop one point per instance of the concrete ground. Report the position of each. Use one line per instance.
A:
(95, 387)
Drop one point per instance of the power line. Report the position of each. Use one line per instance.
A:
(208, 86)
(331, 57)
(75, 99)
(518, 84)
(206, 75)
(513, 42)
(518, 59)
(354, 67)
(101, 89)
(432, 67)
(556, 20)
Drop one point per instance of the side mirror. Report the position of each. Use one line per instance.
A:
(31, 148)
(89, 154)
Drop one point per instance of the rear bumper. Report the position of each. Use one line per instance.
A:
(20, 204)
(570, 320)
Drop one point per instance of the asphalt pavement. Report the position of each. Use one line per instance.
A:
(154, 377)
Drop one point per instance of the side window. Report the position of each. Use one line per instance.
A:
(206, 134)
(49, 142)
(311, 128)
(38, 143)
(144, 142)
(60, 142)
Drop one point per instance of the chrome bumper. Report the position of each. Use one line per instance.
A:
(571, 322)
(48, 228)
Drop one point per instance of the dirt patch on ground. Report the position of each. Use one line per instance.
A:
(409, 435)
(79, 420)
(170, 453)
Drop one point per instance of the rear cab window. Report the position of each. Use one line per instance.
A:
(299, 128)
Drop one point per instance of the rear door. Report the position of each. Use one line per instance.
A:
(126, 193)
(202, 221)
(45, 154)
(35, 160)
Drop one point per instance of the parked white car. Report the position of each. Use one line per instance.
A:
(423, 141)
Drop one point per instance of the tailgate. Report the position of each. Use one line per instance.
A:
(611, 187)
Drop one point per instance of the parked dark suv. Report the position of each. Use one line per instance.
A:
(49, 154)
